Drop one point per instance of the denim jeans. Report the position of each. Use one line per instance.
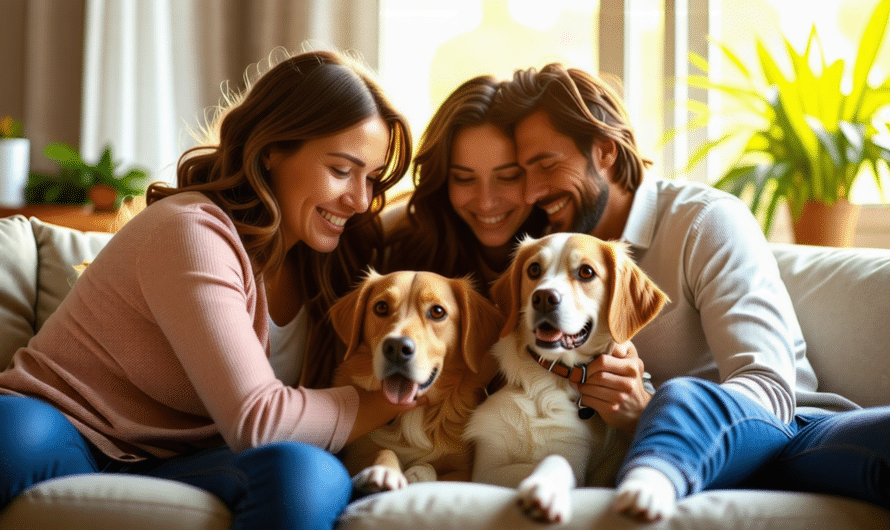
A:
(703, 436)
(284, 485)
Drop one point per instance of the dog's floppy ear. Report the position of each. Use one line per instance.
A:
(634, 299)
(480, 322)
(348, 313)
(506, 290)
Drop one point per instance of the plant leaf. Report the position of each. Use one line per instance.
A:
(854, 136)
(804, 77)
(699, 62)
(788, 105)
(829, 86)
(826, 140)
(869, 45)
(64, 155)
(873, 101)
(735, 60)
(706, 148)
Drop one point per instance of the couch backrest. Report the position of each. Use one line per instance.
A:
(36, 272)
(842, 301)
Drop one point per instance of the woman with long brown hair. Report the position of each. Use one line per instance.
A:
(157, 362)
(467, 209)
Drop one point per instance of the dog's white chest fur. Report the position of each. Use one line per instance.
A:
(533, 416)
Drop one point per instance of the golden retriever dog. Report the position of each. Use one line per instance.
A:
(410, 334)
(566, 298)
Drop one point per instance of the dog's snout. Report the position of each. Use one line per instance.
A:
(398, 349)
(545, 300)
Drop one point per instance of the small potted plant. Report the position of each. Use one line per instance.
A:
(806, 137)
(100, 183)
(15, 151)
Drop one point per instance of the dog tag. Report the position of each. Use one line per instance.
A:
(585, 412)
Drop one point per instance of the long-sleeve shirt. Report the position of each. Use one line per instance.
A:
(730, 319)
(162, 346)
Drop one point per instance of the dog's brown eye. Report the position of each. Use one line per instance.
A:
(586, 272)
(534, 270)
(381, 308)
(437, 312)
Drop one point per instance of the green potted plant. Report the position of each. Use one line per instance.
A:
(79, 182)
(806, 139)
(15, 151)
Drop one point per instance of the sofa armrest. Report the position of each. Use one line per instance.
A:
(36, 273)
(18, 285)
(842, 300)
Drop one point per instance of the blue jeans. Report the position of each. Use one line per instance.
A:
(703, 436)
(285, 485)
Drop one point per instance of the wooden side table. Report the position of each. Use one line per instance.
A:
(79, 217)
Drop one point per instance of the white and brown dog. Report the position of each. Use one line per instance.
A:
(411, 334)
(567, 299)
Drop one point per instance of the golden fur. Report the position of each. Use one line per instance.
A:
(449, 356)
(528, 434)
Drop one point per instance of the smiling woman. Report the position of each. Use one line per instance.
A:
(485, 184)
(467, 210)
(170, 375)
(327, 181)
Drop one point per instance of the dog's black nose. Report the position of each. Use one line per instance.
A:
(398, 349)
(545, 300)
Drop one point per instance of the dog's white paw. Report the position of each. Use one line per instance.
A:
(379, 478)
(545, 501)
(421, 473)
(646, 494)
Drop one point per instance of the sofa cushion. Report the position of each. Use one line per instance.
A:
(18, 284)
(463, 506)
(59, 249)
(842, 300)
(114, 502)
(36, 272)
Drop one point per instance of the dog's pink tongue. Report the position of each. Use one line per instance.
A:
(548, 334)
(400, 390)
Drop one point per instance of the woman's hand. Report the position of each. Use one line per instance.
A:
(615, 389)
(375, 411)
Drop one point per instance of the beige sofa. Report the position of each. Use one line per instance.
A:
(843, 302)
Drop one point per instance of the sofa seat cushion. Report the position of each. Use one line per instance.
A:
(461, 506)
(113, 502)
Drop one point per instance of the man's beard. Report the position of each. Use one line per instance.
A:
(594, 197)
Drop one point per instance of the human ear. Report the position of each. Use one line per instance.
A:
(270, 157)
(604, 153)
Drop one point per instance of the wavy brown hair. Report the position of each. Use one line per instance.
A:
(581, 106)
(432, 236)
(303, 97)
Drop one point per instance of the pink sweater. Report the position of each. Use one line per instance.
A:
(162, 346)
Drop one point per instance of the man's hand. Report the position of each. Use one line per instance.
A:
(615, 388)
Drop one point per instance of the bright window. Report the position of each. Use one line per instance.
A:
(429, 46)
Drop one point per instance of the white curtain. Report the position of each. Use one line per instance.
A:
(152, 67)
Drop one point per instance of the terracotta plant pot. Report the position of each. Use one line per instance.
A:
(830, 225)
(103, 197)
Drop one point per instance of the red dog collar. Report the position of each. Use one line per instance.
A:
(577, 373)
